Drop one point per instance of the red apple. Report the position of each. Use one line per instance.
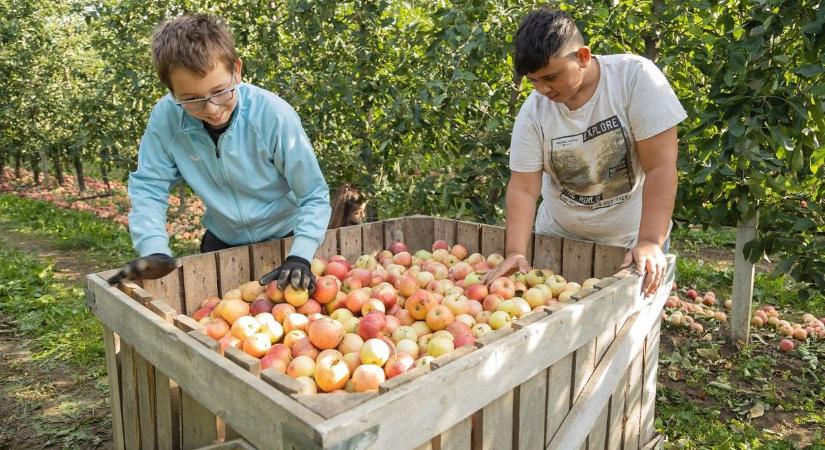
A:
(504, 287)
(337, 269)
(439, 317)
(326, 288)
(398, 364)
(326, 333)
(259, 306)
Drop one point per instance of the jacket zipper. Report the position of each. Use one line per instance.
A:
(232, 188)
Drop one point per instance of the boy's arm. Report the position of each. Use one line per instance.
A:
(523, 192)
(149, 188)
(303, 174)
(657, 156)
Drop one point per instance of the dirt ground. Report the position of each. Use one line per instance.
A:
(44, 403)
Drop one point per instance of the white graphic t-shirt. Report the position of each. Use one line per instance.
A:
(592, 180)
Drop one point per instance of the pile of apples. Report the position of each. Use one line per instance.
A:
(379, 318)
(685, 314)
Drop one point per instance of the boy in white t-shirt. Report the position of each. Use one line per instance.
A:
(597, 139)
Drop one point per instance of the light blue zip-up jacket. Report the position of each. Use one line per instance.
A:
(260, 182)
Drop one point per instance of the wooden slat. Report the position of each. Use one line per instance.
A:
(136, 292)
(393, 231)
(468, 234)
(243, 359)
(492, 240)
(650, 369)
(372, 237)
(577, 260)
(329, 247)
(281, 382)
(233, 268)
(163, 310)
(286, 245)
(597, 439)
(615, 417)
(633, 405)
(167, 289)
(129, 400)
(447, 358)
(199, 426)
(444, 229)
(404, 378)
(186, 323)
(145, 377)
(167, 424)
(493, 336)
(418, 232)
(585, 363)
(547, 253)
(234, 444)
(607, 259)
(266, 256)
(559, 388)
(330, 405)
(349, 242)
(244, 399)
(113, 377)
(497, 423)
(459, 436)
(530, 248)
(200, 280)
(531, 413)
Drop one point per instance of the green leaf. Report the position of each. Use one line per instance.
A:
(810, 70)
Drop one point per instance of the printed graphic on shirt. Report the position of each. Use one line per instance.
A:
(593, 167)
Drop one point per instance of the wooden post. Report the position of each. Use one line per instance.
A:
(742, 294)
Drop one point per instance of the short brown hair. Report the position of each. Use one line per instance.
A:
(192, 42)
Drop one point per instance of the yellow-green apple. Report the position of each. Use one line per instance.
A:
(374, 351)
(367, 378)
(231, 310)
(257, 344)
(341, 315)
(408, 346)
(495, 259)
(421, 328)
(326, 333)
(404, 332)
(351, 324)
(536, 277)
(273, 329)
(474, 258)
(457, 304)
(545, 289)
(474, 307)
(353, 360)
(424, 278)
(465, 319)
(589, 283)
(372, 325)
(480, 329)
(398, 364)
(504, 287)
(556, 283)
(424, 361)
(483, 316)
(499, 319)
(372, 305)
(406, 285)
(438, 346)
(351, 342)
(423, 255)
(232, 294)
(439, 317)
(295, 321)
(250, 290)
(564, 296)
(302, 366)
(244, 327)
(295, 297)
(438, 269)
(318, 266)
(331, 373)
(472, 279)
(366, 262)
(308, 385)
(291, 336)
(535, 297)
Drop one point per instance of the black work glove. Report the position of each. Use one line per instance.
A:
(147, 268)
(295, 271)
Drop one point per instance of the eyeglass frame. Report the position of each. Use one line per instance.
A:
(208, 99)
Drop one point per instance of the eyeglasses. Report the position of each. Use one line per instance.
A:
(221, 98)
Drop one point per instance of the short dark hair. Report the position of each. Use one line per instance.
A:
(192, 42)
(541, 36)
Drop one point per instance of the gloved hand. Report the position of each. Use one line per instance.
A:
(295, 271)
(147, 268)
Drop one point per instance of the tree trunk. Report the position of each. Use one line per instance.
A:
(651, 38)
(36, 171)
(2, 164)
(43, 166)
(181, 197)
(78, 169)
(104, 169)
(18, 162)
(58, 168)
(514, 93)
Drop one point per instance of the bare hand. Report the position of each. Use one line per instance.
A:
(513, 262)
(650, 260)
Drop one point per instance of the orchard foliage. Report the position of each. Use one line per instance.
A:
(415, 101)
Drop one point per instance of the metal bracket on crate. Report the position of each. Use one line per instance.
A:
(295, 440)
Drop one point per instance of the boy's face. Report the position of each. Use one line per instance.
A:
(188, 85)
(561, 78)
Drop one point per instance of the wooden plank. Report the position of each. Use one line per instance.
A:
(559, 388)
(167, 289)
(136, 292)
(113, 377)
(248, 362)
(447, 358)
(597, 439)
(281, 382)
(372, 237)
(145, 377)
(393, 231)
(468, 234)
(530, 247)
(493, 370)
(605, 282)
(650, 369)
(493, 336)
(577, 260)
(186, 323)
(286, 245)
(444, 229)
(603, 342)
(129, 400)
(418, 232)
(233, 268)
(615, 416)
(742, 292)
(199, 426)
(266, 256)
(581, 294)
(530, 412)
(329, 247)
(492, 240)
(200, 280)
(349, 242)
(235, 444)
(163, 310)
(607, 259)
(403, 379)
(633, 405)
(657, 442)
(547, 253)
(585, 364)
(166, 426)
(459, 436)
(497, 423)
(330, 405)
(238, 395)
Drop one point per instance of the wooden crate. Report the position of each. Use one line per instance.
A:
(578, 376)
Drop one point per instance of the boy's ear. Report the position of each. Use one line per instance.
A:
(584, 56)
(237, 69)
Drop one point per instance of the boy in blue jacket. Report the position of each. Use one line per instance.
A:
(241, 148)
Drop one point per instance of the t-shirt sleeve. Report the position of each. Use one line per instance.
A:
(525, 145)
(653, 106)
